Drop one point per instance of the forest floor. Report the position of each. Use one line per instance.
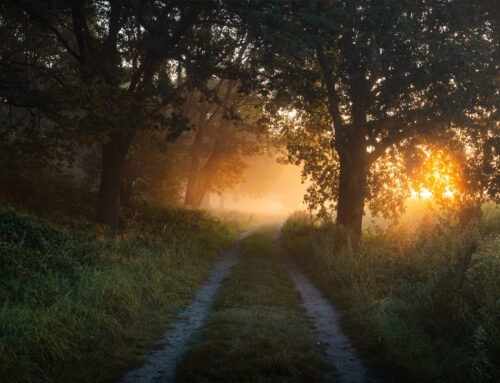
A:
(256, 319)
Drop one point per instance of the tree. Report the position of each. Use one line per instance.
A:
(152, 171)
(227, 130)
(29, 94)
(374, 80)
(122, 58)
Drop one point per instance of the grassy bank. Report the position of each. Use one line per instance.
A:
(79, 301)
(258, 332)
(422, 305)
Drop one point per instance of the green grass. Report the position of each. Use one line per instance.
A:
(258, 332)
(421, 305)
(80, 302)
(246, 220)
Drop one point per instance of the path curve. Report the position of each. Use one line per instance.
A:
(161, 364)
(339, 350)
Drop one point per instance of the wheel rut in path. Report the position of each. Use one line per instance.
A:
(339, 350)
(160, 365)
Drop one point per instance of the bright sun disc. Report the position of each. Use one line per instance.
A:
(438, 177)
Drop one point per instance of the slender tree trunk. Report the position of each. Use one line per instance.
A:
(113, 156)
(200, 195)
(126, 183)
(194, 169)
(206, 173)
(221, 202)
(352, 188)
(125, 192)
(206, 201)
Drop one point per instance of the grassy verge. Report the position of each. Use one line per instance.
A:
(258, 332)
(245, 220)
(422, 306)
(79, 301)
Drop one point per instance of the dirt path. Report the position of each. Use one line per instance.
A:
(160, 365)
(339, 350)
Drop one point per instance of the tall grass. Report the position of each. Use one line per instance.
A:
(422, 304)
(79, 301)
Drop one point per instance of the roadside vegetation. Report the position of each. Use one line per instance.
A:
(421, 303)
(80, 301)
(258, 332)
(247, 221)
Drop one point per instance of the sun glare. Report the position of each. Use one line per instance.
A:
(423, 193)
(438, 178)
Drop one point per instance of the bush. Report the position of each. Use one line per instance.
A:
(422, 304)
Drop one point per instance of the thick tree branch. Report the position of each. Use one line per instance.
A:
(330, 86)
(81, 31)
(65, 44)
(114, 23)
(44, 23)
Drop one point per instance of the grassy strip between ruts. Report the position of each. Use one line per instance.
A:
(78, 300)
(258, 332)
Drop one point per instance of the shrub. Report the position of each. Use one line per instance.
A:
(422, 303)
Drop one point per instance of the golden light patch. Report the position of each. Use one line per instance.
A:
(438, 178)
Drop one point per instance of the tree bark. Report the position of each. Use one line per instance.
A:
(200, 196)
(352, 185)
(113, 156)
(194, 165)
(351, 198)
(126, 183)
(206, 173)
(195, 188)
(205, 203)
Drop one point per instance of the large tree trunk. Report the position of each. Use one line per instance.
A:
(206, 173)
(113, 156)
(352, 188)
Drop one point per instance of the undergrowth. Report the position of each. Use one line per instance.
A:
(258, 332)
(422, 305)
(79, 301)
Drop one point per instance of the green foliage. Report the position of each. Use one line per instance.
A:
(422, 305)
(19, 229)
(153, 171)
(50, 193)
(178, 225)
(30, 255)
(490, 219)
(373, 82)
(483, 284)
(259, 331)
(80, 300)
